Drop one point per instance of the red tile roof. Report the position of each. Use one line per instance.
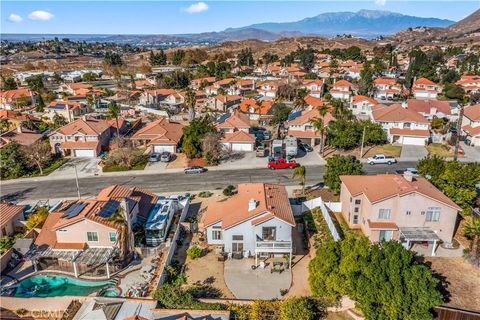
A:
(472, 112)
(360, 98)
(396, 113)
(238, 136)
(89, 126)
(425, 106)
(271, 199)
(236, 120)
(162, 131)
(263, 108)
(410, 132)
(8, 212)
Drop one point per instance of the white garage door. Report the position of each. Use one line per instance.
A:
(84, 153)
(162, 148)
(242, 147)
(416, 141)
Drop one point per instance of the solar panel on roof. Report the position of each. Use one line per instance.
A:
(109, 208)
(74, 210)
(294, 115)
(223, 117)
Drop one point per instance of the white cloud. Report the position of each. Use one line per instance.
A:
(380, 2)
(14, 18)
(40, 15)
(197, 7)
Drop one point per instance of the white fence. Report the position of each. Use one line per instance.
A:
(173, 244)
(318, 203)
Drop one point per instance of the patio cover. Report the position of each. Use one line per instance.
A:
(96, 256)
(418, 234)
(48, 252)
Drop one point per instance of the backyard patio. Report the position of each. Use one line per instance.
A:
(260, 283)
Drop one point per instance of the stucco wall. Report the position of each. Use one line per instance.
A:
(77, 233)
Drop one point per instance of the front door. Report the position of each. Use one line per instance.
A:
(237, 244)
(386, 235)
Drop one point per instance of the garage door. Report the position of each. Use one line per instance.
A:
(90, 153)
(242, 147)
(416, 141)
(162, 148)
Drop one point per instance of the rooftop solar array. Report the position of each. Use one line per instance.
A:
(294, 115)
(222, 118)
(74, 210)
(109, 208)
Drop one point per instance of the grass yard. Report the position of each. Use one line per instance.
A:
(116, 168)
(441, 150)
(386, 149)
(54, 166)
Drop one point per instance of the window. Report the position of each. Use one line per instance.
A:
(216, 234)
(237, 238)
(237, 247)
(408, 212)
(384, 214)
(358, 201)
(113, 236)
(386, 235)
(269, 233)
(92, 236)
(433, 214)
(356, 209)
(355, 219)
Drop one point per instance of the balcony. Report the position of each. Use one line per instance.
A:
(273, 246)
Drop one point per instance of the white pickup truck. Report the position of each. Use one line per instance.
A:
(381, 159)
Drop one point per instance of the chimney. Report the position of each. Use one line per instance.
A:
(69, 116)
(404, 105)
(19, 129)
(252, 204)
(407, 175)
(84, 118)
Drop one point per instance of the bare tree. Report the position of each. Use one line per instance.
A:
(39, 153)
(212, 148)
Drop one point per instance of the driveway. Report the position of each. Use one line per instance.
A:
(155, 166)
(411, 152)
(246, 283)
(471, 153)
(86, 167)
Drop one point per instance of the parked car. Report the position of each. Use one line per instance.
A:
(305, 147)
(154, 157)
(195, 169)
(413, 171)
(261, 151)
(282, 163)
(166, 156)
(381, 159)
(267, 135)
(259, 136)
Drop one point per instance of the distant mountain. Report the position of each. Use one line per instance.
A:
(467, 25)
(364, 23)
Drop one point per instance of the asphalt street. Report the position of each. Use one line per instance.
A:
(170, 182)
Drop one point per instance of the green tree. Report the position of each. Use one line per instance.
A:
(471, 229)
(245, 57)
(343, 134)
(337, 166)
(9, 83)
(112, 59)
(298, 308)
(324, 273)
(374, 133)
(265, 309)
(113, 112)
(431, 167)
(320, 126)
(190, 101)
(453, 91)
(158, 59)
(12, 161)
(280, 113)
(193, 135)
(366, 80)
(37, 218)
(5, 125)
(177, 57)
(178, 80)
(300, 174)
(124, 240)
(59, 121)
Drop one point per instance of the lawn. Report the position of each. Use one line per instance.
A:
(46, 171)
(386, 149)
(441, 150)
(116, 168)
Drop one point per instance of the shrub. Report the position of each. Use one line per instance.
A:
(228, 191)
(205, 194)
(37, 218)
(173, 296)
(300, 308)
(194, 252)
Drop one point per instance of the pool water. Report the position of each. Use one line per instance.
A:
(54, 285)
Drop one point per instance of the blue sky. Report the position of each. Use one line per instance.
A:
(170, 17)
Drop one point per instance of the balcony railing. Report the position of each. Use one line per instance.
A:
(273, 245)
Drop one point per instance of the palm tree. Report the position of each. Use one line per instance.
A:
(190, 102)
(113, 113)
(299, 102)
(319, 125)
(124, 240)
(472, 231)
(300, 173)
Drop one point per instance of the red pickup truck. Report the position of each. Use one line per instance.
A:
(282, 164)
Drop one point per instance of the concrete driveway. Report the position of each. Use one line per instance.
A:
(471, 153)
(246, 283)
(411, 152)
(86, 167)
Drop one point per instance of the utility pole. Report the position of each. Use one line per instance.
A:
(76, 181)
(363, 140)
(459, 128)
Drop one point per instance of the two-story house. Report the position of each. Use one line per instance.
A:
(81, 235)
(17, 99)
(300, 125)
(70, 110)
(402, 125)
(223, 102)
(269, 88)
(386, 88)
(161, 135)
(471, 125)
(362, 106)
(470, 84)
(154, 98)
(256, 221)
(83, 137)
(200, 83)
(425, 89)
(236, 132)
(342, 89)
(395, 207)
(430, 108)
(257, 110)
(315, 87)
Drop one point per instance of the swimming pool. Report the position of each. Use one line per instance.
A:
(56, 285)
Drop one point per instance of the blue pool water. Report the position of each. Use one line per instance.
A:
(55, 285)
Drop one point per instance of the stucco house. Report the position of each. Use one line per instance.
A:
(342, 89)
(11, 218)
(425, 89)
(70, 110)
(402, 125)
(395, 207)
(161, 135)
(300, 125)
(236, 132)
(386, 88)
(17, 99)
(362, 106)
(257, 221)
(471, 124)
